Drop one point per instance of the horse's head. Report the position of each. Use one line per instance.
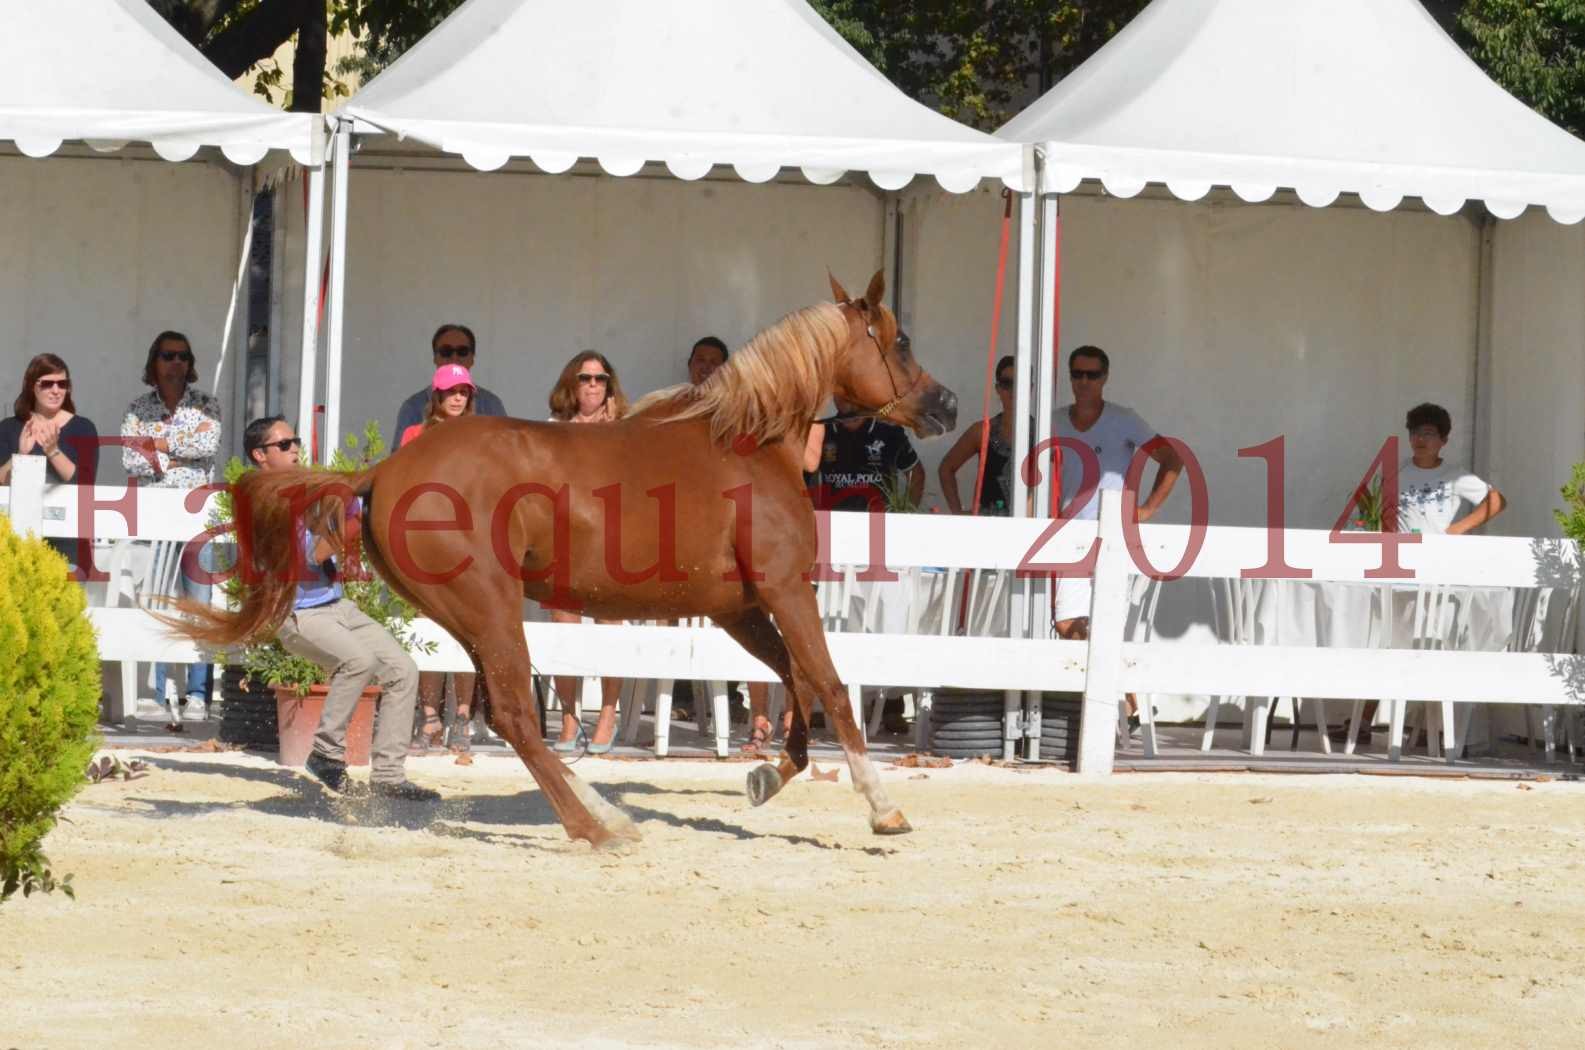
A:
(882, 378)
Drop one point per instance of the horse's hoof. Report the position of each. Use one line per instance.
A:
(893, 823)
(763, 783)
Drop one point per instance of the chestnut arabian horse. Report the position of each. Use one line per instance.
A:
(693, 505)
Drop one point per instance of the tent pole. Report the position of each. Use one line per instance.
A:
(338, 289)
(309, 363)
(1025, 350)
(1050, 327)
(1023, 599)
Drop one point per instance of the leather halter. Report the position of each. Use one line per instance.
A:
(897, 396)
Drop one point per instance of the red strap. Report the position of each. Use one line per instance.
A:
(313, 434)
(990, 353)
(990, 380)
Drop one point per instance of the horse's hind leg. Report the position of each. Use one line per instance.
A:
(503, 656)
(798, 618)
(754, 631)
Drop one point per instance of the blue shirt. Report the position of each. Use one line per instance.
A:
(317, 586)
(412, 411)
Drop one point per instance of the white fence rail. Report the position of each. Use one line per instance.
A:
(1102, 668)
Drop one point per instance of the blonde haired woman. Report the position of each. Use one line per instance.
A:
(587, 391)
(451, 396)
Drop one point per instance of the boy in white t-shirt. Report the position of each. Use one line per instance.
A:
(1431, 492)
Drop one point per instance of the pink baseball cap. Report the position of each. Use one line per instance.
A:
(448, 376)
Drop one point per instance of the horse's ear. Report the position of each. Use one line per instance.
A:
(837, 290)
(877, 289)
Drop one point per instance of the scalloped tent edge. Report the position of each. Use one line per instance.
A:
(112, 72)
(758, 86)
(1362, 97)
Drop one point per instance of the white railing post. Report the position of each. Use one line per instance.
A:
(1108, 618)
(27, 495)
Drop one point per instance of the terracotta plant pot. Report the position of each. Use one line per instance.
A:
(298, 718)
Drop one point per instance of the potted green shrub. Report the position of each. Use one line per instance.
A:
(1368, 510)
(299, 684)
(894, 490)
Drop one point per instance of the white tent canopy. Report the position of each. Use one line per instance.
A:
(112, 71)
(1320, 96)
(757, 84)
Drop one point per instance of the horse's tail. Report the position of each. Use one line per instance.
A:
(272, 509)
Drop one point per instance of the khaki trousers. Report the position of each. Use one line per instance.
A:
(354, 650)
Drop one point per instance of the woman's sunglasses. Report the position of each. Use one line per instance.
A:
(446, 353)
(1004, 383)
(284, 445)
(54, 384)
(594, 377)
(176, 355)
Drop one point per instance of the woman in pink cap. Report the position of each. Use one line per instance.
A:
(450, 396)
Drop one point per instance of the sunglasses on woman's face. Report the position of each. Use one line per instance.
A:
(176, 355)
(594, 377)
(54, 384)
(446, 353)
(1004, 382)
(284, 445)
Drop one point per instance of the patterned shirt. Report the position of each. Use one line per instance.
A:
(191, 460)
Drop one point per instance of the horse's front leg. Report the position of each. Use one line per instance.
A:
(798, 617)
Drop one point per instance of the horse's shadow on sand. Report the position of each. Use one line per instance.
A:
(301, 797)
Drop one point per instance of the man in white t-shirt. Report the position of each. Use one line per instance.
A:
(1116, 434)
(1431, 492)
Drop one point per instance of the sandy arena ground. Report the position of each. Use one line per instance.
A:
(220, 902)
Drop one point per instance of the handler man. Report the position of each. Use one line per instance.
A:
(331, 631)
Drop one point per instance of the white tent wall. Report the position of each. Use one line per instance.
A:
(1230, 324)
(948, 291)
(101, 254)
(542, 266)
(1536, 428)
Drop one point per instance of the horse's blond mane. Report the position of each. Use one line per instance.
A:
(772, 386)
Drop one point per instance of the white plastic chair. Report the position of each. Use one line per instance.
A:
(153, 582)
(1430, 629)
(1233, 618)
(715, 716)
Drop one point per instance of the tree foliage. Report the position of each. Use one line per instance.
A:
(977, 62)
(1535, 49)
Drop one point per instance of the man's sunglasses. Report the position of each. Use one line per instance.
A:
(1092, 374)
(284, 445)
(594, 377)
(446, 353)
(176, 355)
(54, 384)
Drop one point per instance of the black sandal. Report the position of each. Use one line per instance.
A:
(459, 735)
(429, 736)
